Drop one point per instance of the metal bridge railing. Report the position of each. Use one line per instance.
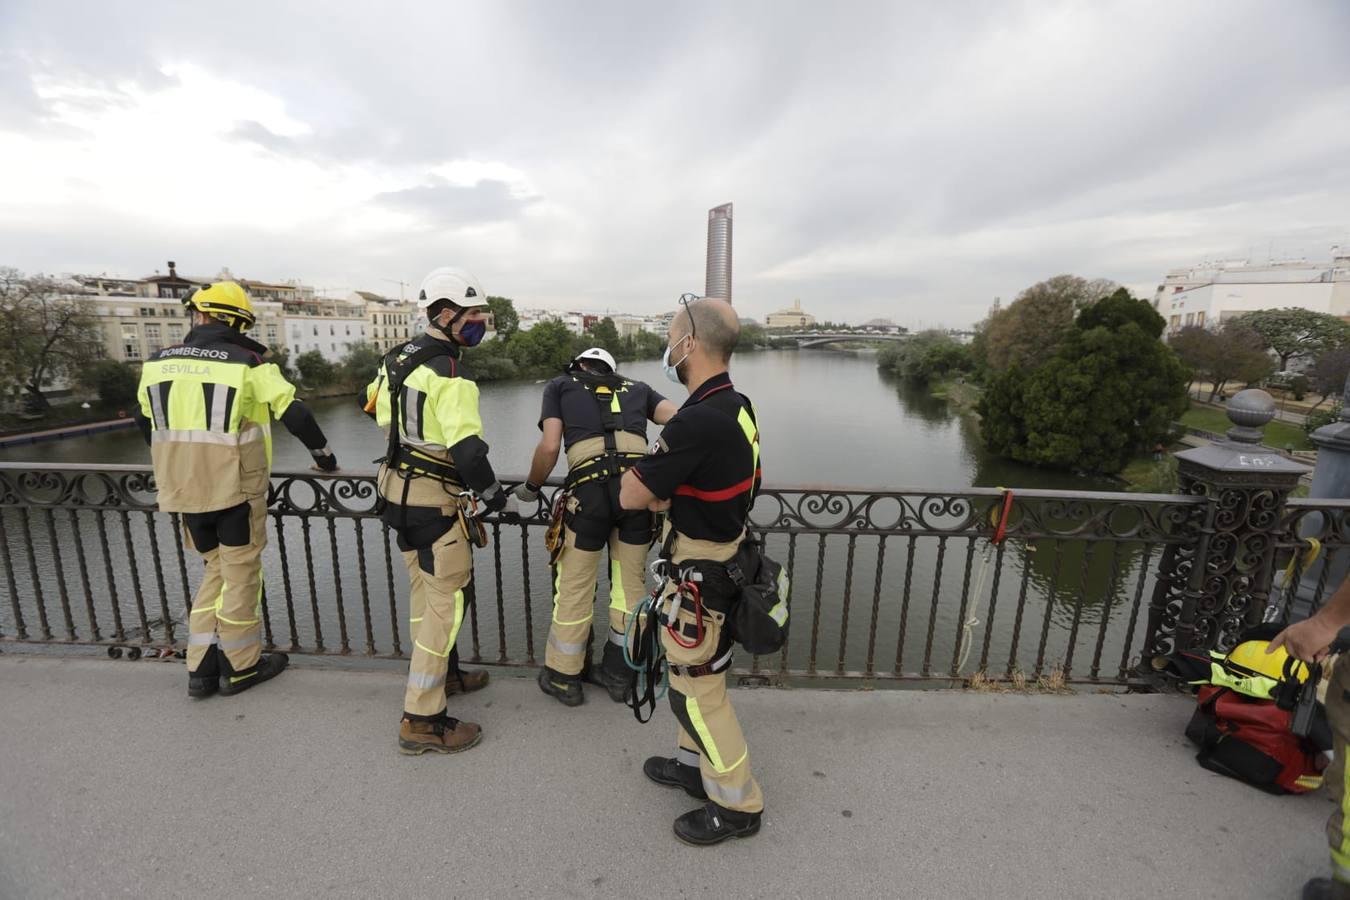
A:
(888, 586)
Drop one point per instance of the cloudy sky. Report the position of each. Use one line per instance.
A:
(908, 160)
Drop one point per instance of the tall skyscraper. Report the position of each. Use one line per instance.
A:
(718, 283)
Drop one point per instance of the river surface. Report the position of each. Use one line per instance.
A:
(825, 418)
(893, 602)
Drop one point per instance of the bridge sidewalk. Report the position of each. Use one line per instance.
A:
(113, 783)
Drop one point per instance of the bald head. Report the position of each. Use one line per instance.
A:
(713, 324)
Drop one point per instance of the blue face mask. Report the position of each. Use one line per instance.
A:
(672, 370)
(472, 333)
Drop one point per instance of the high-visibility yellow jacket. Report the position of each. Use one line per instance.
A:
(440, 431)
(205, 408)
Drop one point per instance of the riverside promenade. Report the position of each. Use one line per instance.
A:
(113, 783)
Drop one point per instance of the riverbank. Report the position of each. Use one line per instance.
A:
(66, 431)
(960, 392)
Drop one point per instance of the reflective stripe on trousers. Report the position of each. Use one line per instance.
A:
(437, 612)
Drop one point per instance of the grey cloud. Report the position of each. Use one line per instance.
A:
(870, 125)
(451, 205)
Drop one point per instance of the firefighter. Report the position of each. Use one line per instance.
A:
(704, 471)
(205, 410)
(435, 466)
(600, 417)
(1310, 640)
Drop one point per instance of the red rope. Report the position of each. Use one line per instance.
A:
(1002, 528)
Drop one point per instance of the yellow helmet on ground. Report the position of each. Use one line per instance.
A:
(1249, 669)
(223, 300)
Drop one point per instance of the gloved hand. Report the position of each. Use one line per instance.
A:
(527, 492)
(324, 460)
(495, 499)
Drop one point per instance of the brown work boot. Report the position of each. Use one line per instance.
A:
(449, 735)
(465, 681)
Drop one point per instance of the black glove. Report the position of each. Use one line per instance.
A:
(325, 459)
(495, 498)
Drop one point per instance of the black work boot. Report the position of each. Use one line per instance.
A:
(614, 674)
(712, 825)
(267, 667)
(565, 688)
(1326, 889)
(205, 681)
(463, 681)
(673, 773)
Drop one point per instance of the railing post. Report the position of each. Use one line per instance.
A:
(1212, 588)
(1330, 481)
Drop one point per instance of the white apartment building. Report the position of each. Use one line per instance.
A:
(391, 320)
(331, 327)
(1212, 292)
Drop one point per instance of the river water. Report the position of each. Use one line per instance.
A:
(826, 418)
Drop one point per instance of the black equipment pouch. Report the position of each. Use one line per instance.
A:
(759, 618)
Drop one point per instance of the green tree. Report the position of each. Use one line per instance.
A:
(315, 370)
(282, 357)
(605, 334)
(1328, 375)
(1027, 332)
(1297, 333)
(44, 334)
(114, 382)
(359, 366)
(547, 347)
(1194, 346)
(926, 357)
(504, 317)
(1110, 388)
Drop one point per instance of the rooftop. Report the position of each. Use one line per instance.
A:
(116, 782)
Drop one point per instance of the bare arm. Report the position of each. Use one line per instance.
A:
(1308, 640)
(546, 452)
(664, 411)
(633, 494)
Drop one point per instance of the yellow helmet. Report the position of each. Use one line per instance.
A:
(224, 300)
(1249, 669)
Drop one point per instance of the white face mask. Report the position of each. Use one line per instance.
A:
(672, 370)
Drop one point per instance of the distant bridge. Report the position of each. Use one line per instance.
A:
(819, 339)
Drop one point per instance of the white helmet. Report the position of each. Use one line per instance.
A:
(455, 285)
(597, 354)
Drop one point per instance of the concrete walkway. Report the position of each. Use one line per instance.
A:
(113, 783)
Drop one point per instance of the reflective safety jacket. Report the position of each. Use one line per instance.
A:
(440, 445)
(206, 405)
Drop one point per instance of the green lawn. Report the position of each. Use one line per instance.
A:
(1278, 434)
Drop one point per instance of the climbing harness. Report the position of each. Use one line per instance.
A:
(613, 462)
(398, 365)
(1000, 532)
